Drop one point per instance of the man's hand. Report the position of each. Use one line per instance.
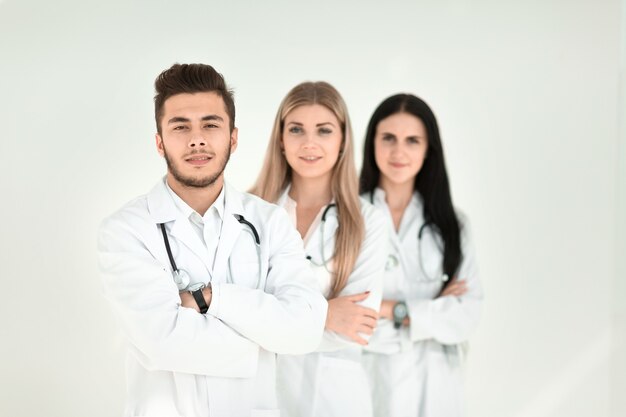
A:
(349, 319)
(187, 300)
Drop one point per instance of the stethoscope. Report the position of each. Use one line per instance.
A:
(393, 261)
(182, 279)
(322, 241)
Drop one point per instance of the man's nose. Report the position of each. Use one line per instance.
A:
(197, 141)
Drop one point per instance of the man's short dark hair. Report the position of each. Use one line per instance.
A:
(191, 78)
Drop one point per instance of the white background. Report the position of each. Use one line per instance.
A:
(528, 94)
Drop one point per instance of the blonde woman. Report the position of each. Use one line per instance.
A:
(309, 170)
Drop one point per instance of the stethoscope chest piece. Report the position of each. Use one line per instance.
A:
(181, 278)
(392, 262)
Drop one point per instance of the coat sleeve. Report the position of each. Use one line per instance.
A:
(289, 316)
(162, 334)
(449, 319)
(367, 275)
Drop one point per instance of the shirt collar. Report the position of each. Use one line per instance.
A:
(379, 198)
(187, 211)
(289, 203)
(285, 201)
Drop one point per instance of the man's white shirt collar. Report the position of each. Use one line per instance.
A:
(188, 212)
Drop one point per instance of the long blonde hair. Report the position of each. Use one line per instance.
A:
(276, 174)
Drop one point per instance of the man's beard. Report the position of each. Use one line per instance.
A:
(196, 182)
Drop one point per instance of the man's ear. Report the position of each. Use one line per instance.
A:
(234, 139)
(159, 144)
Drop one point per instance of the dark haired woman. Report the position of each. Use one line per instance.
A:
(432, 295)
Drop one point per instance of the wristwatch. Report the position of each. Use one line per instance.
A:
(196, 291)
(400, 312)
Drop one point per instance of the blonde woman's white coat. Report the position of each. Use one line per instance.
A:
(331, 381)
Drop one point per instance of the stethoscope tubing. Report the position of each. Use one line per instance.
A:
(179, 276)
(420, 234)
(322, 242)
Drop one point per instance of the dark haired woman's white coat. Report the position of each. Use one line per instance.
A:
(417, 370)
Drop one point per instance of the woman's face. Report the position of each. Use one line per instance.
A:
(400, 146)
(312, 140)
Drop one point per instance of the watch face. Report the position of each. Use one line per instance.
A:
(400, 310)
(196, 286)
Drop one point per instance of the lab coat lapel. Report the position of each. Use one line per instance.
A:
(183, 232)
(330, 229)
(163, 210)
(230, 231)
(314, 241)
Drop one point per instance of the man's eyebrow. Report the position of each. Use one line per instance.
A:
(179, 119)
(212, 117)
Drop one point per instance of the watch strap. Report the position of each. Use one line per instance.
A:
(199, 297)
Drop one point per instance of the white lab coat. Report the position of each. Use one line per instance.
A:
(416, 371)
(219, 364)
(331, 381)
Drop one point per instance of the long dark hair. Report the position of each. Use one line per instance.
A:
(431, 181)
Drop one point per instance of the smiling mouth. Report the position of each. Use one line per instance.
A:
(310, 158)
(199, 159)
(397, 165)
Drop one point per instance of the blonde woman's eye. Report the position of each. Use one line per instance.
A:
(295, 129)
(325, 131)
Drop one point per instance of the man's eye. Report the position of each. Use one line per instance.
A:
(180, 127)
(210, 126)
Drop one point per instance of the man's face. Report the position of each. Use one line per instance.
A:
(195, 139)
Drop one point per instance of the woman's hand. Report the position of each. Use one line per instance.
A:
(349, 319)
(456, 288)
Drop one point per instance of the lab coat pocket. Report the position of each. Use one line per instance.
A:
(445, 383)
(265, 413)
(247, 274)
(453, 356)
(343, 388)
